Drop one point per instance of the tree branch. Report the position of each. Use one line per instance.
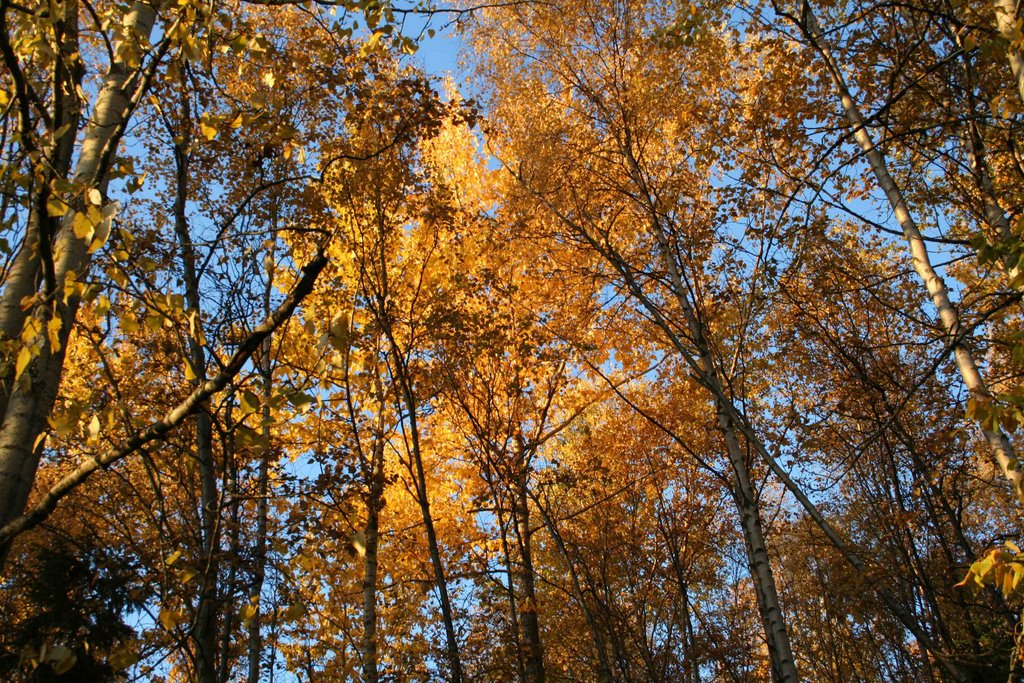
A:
(38, 513)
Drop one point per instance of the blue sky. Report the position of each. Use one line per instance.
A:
(438, 55)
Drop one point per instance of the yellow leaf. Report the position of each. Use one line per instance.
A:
(249, 612)
(72, 287)
(95, 197)
(118, 276)
(293, 611)
(56, 207)
(31, 330)
(63, 425)
(208, 131)
(170, 618)
(190, 373)
(24, 358)
(82, 226)
(173, 557)
(371, 43)
(94, 428)
(269, 79)
(250, 403)
(129, 325)
(186, 574)
(302, 402)
(102, 306)
(53, 332)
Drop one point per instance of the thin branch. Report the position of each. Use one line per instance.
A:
(42, 510)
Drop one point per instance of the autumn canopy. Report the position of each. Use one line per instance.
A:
(659, 341)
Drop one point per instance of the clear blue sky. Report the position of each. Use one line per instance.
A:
(438, 55)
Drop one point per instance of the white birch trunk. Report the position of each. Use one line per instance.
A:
(31, 400)
(1006, 24)
(949, 318)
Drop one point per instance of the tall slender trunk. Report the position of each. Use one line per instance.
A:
(691, 670)
(205, 627)
(451, 641)
(533, 651)
(374, 499)
(776, 632)
(234, 545)
(973, 143)
(407, 399)
(729, 423)
(374, 504)
(488, 476)
(22, 278)
(259, 552)
(949, 317)
(31, 399)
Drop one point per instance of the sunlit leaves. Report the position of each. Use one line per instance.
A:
(1002, 568)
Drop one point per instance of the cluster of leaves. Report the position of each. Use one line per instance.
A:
(1002, 568)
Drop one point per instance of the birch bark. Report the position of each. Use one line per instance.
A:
(1007, 23)
(31, 398)
(949, 318)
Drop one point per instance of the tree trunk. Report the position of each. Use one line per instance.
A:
(259, 563)
(776, 632)
(374, 503)
(451, 641)
(406, 397)
(1006, 24)
(31, 399)
(205, 627)
(259, 568)
(533, 651)
(604, 667)
(510, 573)
(949, 318)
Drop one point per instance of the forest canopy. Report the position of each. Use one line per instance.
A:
(664, 341)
